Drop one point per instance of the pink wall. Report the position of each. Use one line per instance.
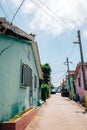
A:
(80, 89)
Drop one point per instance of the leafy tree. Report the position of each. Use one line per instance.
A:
(45, 89)
(46, 69)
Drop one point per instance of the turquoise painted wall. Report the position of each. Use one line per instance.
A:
(72, 84)
(67, 84)
(14, 98)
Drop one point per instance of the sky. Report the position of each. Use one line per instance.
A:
(55, 24)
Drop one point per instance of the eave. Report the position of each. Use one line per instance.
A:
(12, 30)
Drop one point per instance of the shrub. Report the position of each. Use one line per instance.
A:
(44, 92)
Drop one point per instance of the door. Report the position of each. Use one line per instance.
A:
(31, 96)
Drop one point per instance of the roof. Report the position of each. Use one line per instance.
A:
(78, 67)
(12, 30)
(72, 72)
(37, 57)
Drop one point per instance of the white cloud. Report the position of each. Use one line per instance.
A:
(16, 2)
(69, 13)
(84, 33)
(29, 7)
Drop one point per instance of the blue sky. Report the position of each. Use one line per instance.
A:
(55, 24)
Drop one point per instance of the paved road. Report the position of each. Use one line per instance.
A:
(59, 113)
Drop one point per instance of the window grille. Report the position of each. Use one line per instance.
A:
(26, 78)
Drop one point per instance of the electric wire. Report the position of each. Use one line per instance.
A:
(59, 78)
(42, 9)
(67, 26)
(71, 52)
(4, 11)
(17, 11)
(48, 13)
(45, 12)
(56, 19)
(8, 5)
(54, 72)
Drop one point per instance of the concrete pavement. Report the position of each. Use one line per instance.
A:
(59, 113)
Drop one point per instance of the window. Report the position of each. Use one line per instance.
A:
(79, 82)
(26, 78)
(35, 81)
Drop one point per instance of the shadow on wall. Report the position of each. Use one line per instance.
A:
(14, 109)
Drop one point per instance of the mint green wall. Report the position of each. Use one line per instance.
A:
(14, 98)
(72, 85)
(67, 84)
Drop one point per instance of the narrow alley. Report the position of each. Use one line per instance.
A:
(59, 113)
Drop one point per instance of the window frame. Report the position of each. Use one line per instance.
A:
(79, 81)
(26, 75)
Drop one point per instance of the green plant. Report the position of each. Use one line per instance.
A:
(16, 117)
(20, 114)
(46, 69)
(44, 91)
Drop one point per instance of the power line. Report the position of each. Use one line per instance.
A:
(8, 5)
(66, 28)
(46, 12)
(17, 11)
(4, 11)
(71, 51)
(57, 21)
(60, 78)
(57, 71)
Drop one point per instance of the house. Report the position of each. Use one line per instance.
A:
(67, 83)
(70, 88)
(79, 80)
(72, 84)
(63, 84)
(20, 70)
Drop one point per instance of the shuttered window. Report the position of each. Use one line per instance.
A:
(26, 78)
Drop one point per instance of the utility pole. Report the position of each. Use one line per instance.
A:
(67, 63)
(82, 64)
(82, 60)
